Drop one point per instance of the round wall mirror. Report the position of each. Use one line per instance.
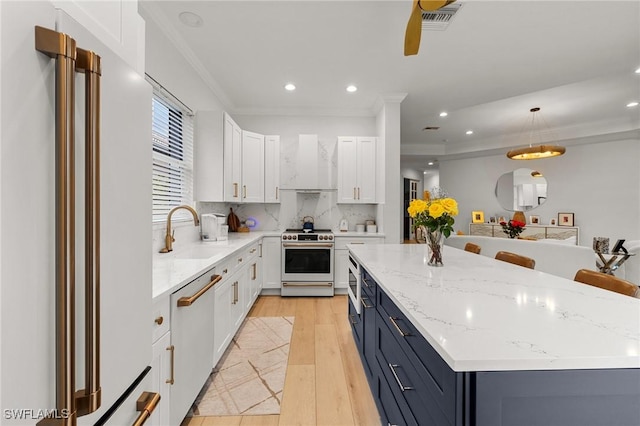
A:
(521, 189)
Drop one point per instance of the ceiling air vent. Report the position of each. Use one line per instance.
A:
(438, 20)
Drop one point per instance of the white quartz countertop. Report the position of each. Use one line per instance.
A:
(481, 314)
(358, 234)
(186, 262)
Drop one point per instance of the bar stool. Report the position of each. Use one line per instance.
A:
(516, 259)
(473, 248)
(607, 282)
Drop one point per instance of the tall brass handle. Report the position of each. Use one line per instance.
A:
(306, 245)
(62, 48)
(188, 301)
(255, 273)
(402, 333)
(172, 349)
(146, 403)
(354, 193)
(358, 193)
(235, 292)
(244, 191)
(235, 190)
(88, 399)
(277, 192)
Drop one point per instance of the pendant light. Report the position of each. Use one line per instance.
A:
(534, 152)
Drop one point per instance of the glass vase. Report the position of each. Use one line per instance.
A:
(435, 241)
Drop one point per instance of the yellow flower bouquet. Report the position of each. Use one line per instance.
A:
(435, 217)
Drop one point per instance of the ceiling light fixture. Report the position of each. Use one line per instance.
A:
(538, 151)
(469, 132)
(632, 104)
(190, 19)
(638, 71)
(444, 114)
(290, 87)
(351, 88)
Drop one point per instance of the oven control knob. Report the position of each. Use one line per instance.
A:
(295, 237)
(322, 237)
(331, 237)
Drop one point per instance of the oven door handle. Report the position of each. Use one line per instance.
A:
(310, 245)
(314, 284)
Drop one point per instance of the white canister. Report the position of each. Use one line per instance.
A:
(372, 229)
(360, 227)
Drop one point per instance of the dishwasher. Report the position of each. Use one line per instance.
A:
(192, 340)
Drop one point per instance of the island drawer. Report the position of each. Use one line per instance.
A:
(356, 325)
(406, 381)
(392, 411)
(442, 383)
(368, 286)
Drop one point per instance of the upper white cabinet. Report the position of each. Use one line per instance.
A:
(252, 167)
(116, 23)
(232, 160)
(356, 169)
(272, 169)
(208, 156)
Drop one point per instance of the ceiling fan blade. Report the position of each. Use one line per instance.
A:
(414, 26)
(413, 31)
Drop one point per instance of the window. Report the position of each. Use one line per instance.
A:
(172, 144)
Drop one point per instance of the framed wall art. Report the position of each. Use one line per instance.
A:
(534, 220)
(477, 217)
(565, 219)
(553, 221)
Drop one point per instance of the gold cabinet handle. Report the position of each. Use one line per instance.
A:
(354, 193)
(244, 191)
(277, 192)
(171, 349)
(235, 190)
(402, 333)
(253, 250)
(255, 272)
(159, 320)
(225, 270)
(146, 403)
(239, 260)
(235, 292)
(188, 301)
(358, 193)
(364, 304)
(352, 319)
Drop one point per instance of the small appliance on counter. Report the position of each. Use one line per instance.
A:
(344, 225)
(212, 227)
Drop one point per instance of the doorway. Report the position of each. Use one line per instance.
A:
(410, 193)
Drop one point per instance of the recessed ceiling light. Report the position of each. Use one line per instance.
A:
(638, 71)
(351, 88)
(430, 163)
(632, 104)
(290, 87)
(444, 114)
(469, 132)
(190, 19)
(424, 173)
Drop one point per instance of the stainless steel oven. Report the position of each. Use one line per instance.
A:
(355, 283)
(307, 263)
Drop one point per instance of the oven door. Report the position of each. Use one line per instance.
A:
(307, 262)
(354, 284)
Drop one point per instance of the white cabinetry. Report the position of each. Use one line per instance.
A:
(208, 155)
(356, 170)
(161, 378)
(341, 254)
(232, 160)
(271, 260)
(224, 295)
(252, 167)
(272, 169)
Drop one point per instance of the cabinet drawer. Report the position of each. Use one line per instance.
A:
(161, 311)
(341, 242)
(356, 325)
(252, 251)
(440, 380)
(369, 287)
(391, 410)
(405, 380)
(226, 268)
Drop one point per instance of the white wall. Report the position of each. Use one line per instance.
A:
(431, 179)
(599, 183)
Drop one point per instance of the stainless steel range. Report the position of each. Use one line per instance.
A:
(307, 262)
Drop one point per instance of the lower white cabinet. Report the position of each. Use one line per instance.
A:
(224, 298)
(271, 260)
(161, 378)
(341, 276)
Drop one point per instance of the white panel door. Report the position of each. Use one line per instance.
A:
(272, 169)
(271, 260)
(366, 169)
(208, 156)
(232, 160)
(223, 296)
(252, 167)
(160, 377)
(347, 173)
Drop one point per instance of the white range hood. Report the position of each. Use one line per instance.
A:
(307, 164)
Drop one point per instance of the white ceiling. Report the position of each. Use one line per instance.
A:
(495, 61)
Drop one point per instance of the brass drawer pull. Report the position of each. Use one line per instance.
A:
(402, 333)
(351, 319)
(395, 376)
(147, 402)
(367, 306)
(159, 320)
(188, 301)
(172, 349)
(235, 190)
(253, 250)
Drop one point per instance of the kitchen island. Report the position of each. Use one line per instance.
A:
(484, 342)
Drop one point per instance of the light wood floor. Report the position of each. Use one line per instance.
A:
(325, 382)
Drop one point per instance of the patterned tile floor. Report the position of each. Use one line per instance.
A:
(250, 375)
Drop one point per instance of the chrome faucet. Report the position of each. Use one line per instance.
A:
(168, 238)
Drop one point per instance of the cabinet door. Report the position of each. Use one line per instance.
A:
(221, 318)
(366, 170)
(347, 181)
(271, 262)
(161, 379)
(232, 160)
(272, 169)
(341, 268)
(236, 314)
(252, 167)
(208, 156)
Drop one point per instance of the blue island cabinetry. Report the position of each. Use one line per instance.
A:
(413, 385)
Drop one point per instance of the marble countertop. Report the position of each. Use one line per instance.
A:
(172, 271)
(358, 234)
(481, 314)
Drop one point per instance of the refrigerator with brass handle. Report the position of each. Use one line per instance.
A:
(81, 309)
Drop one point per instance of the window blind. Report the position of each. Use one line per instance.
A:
(172, 146)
